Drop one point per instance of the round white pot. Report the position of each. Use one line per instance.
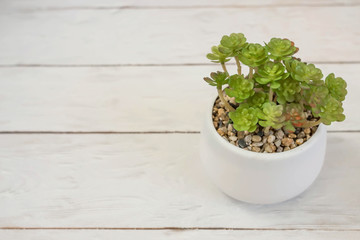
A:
(260, 178)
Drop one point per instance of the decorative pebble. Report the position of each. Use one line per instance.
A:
(299, 141)
(280, 149)
(292, 145)
(233, 138)
(221, 132)
(287, 142)
(242, 143)
(301, 135)
(271, 138)
(307, 130)
(256, 138)
(286, 149)
(255, 149)
(260, 133)
(279, 134)
(248, 139)
(241, 134)
(292, 135)
(268, 148)
(277, 143)
(257, 144)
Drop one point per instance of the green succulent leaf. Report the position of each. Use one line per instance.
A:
(240, 88)
(253, 55)
(332, 111)
(258, 99)
(271, 115)
(216, 56)
(231, 45)
(281, 49)
(245, 118)
(303, 72)
(288, 90)
(217, 79)
(336, 86)
(271, 72)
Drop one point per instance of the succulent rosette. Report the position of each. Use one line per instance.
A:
(294, 116)
(332, 111)
(303, 72)
(271, 115)
(315, 98)
(336, 86)
(288, 90)
(245, 118)
(240, 88)
(231, 45)
(271, 72)
(217, 79)
(258, 99)
(281, 49)
(253, 55)
(216, 56)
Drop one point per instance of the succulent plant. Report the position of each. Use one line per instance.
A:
(271, 115)
(253, 55)
(336, 86)
(231, 45)
(240, 88)
(245, 118)
(280, 92)
(216, 56)
(280, 49)
(271, 72)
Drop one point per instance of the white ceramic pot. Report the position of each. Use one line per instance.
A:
(260, 178)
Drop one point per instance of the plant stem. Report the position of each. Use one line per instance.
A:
(224, 68)
(222, 99)
(271, 94)
(238, 65)
(251, 72)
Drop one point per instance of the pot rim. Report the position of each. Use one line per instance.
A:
(261, 156)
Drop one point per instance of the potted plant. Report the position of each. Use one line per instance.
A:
(264, 138)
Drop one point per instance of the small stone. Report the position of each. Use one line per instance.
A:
(292, 145)
(271, 138)
(230, 133)
(299, 141)
(277, 143)
(266, 131)
(268, 148)
(271, 132)
(292, 135)
(264, 140)
(233, 143)
(233, 138)
(260, 133)
(286, 149)
(248, 148)
(287, 142)
(279, 134)
(248, 139)
(273, 147)
(301, 135)
(221, 132)
(242, 143)
(313, 129)
(308, 137)
(230, 127)
(257, 144)
(255, 149)
(240, 134)
(307, 130)
(280, 149)
(220, 123)
(256, 138)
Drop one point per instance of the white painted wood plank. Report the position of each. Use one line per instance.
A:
(46, 4)
(175, 235)
(125, 98)
(156, 181)
(155, 36)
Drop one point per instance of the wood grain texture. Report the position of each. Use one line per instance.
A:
(125, 98)
(136, 181)
(100, 4)
(163, 36)
(175, 235)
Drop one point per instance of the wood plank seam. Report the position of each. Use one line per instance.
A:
(145, 64)
(180, 229)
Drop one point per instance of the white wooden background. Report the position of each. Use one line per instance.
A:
(100, 113)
